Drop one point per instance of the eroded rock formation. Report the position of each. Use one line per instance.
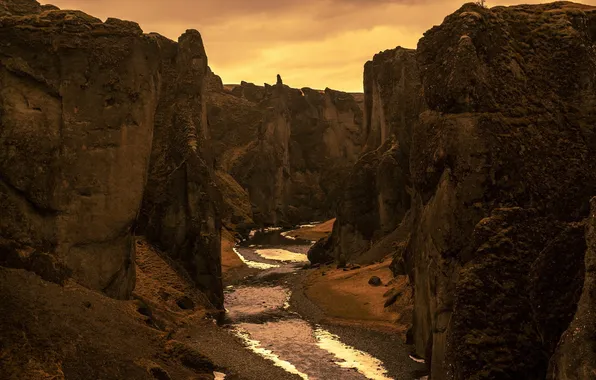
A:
(288, 148)
(377, 196)
(497, 178)
(77, 104)
(181, 206)
(82, 102)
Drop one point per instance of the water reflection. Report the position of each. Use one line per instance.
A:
(282, 255)
(350, 357)
(259, 316)
(273, 239)
(254, 264)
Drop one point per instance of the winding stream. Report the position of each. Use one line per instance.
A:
(259, 311)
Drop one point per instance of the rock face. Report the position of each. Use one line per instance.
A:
(496, 171)
(77, 105)
(181, 207)
(376, 196)
(82, 102)
(288, 148)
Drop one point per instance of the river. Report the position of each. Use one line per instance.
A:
(273, 318)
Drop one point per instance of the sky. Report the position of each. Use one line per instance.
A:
(310, 43)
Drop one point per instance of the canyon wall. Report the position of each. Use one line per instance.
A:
(181, 208)
(496, 186)
(82, 103)
(77, 104)
(290, 149)
(376, 196)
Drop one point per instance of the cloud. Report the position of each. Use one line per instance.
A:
(314, 43)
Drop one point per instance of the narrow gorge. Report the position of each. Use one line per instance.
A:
(157, 222)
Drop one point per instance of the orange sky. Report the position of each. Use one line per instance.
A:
(311, 43)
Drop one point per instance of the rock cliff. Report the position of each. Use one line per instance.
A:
(181, 206)
(496, 169)
(82, 103)
(377, 196)
(77, 105)
(288, 148)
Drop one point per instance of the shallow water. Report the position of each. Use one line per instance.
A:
(258, 315)
(282, 255)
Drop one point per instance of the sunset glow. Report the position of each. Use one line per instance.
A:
(311, 43)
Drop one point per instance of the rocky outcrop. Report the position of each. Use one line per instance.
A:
(77, 105)
(288, 148)
(82, 103)
(181, 206)
(499, 173)
(575, 357)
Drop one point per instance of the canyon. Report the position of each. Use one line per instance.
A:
(153, 218)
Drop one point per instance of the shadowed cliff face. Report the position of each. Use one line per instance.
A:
(181, 206)
(289, 148)
(376, 196)
(82, 102)
(499, 171)
(77, 115)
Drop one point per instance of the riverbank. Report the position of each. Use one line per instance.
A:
(316, 322)
(233, 269)
(312, 232)
(374, 329)
(346, 298)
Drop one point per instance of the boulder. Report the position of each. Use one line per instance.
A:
(319, 252)
(375, 281)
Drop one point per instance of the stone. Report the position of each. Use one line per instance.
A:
(392, 299)
(375, 281)
(319, 252)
